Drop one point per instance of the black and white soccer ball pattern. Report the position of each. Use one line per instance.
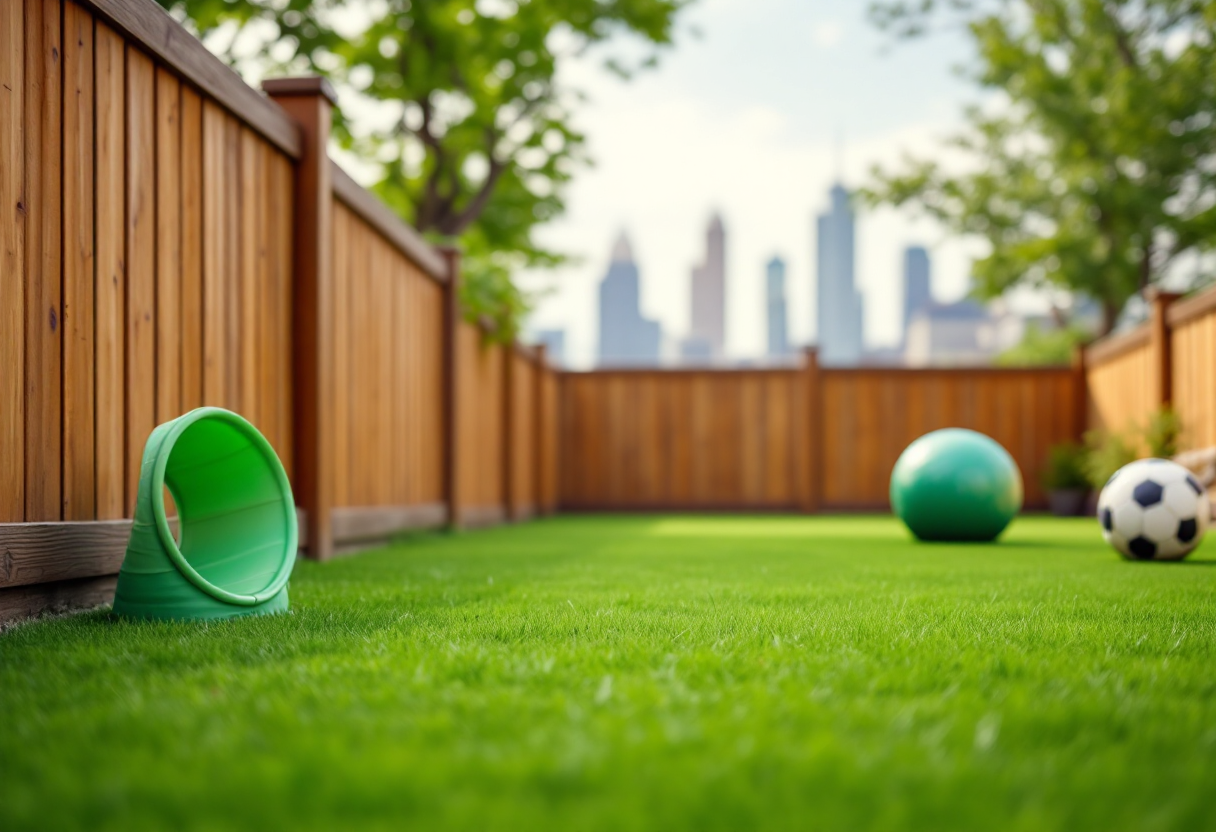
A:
(1153, 509)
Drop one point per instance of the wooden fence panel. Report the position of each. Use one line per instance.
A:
(481, 369)
(688, 439)
(870, 416)
(388, 412)
(111, 314)
(1120, 383)
(12, 262)
(1193, 349)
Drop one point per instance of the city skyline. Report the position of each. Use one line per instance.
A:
(717, 126)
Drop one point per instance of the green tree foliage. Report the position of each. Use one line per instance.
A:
(473, 133)
(1092, 167)
(1040, 347)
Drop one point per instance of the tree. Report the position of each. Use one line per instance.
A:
(474, 134)
(1094, 169)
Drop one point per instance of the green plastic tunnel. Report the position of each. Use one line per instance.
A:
(236, 520)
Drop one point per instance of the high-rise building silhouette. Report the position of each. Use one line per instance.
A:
(840, 306)
(626, 338)
(708, 336)
(778, 339)
(918, 290)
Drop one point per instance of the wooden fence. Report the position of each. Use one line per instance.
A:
(805, 439)
(1168, 361)
(171, 238)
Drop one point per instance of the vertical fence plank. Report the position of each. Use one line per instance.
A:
(12, 262)
(341, 342)
(109, 287)
(246, 275)
(78, 483)
(191, 316)
(168, 247)
(234, 233)
(43, 252)
(141, 263)
(268, 299)
(283, 210)
(215, 174)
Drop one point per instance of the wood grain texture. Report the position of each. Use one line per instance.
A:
(78, 264)
(366, 523)
(250, 229)
(12, 261)
(109, 287)
(141, 265)
(761, 439)
(191, 288)
(146, 24)
(25, 602)
(169, 216)
(380, 217)
(215, 243)
(870, 416)
(34, 553)
(43, 258)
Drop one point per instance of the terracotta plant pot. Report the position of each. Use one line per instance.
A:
(1067, 502)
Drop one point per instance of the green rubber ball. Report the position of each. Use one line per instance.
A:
(956, 484)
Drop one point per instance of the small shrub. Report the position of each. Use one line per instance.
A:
(1163, 433)
(1106, 454)
(1066, 468)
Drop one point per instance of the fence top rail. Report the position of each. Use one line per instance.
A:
(682, 371)
(148, 25)
(905, 372)
(1116, 346)
(929, 372)
(1188, 309)
(378, 215)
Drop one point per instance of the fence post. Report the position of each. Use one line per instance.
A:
(451, 387)
(541, 428)
(309, 101)
(812, 455)
(1159, 334)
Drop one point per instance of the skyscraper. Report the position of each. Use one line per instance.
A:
(778, 340)
(708, 336)
(626, 338)
(840, 304)
(918, 292)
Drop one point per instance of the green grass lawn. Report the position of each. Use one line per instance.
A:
(643, 673)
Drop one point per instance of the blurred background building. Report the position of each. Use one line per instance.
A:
(778, 320)
(840, 307)
(626, 338)
(707, 336)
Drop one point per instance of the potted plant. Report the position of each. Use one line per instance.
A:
(1065, 480)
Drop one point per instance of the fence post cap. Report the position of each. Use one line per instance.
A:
(301, 86)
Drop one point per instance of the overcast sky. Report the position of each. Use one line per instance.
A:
(745, 120)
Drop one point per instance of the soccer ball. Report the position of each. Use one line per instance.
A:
(1153, 509)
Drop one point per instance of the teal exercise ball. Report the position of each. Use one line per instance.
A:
(956, 484)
